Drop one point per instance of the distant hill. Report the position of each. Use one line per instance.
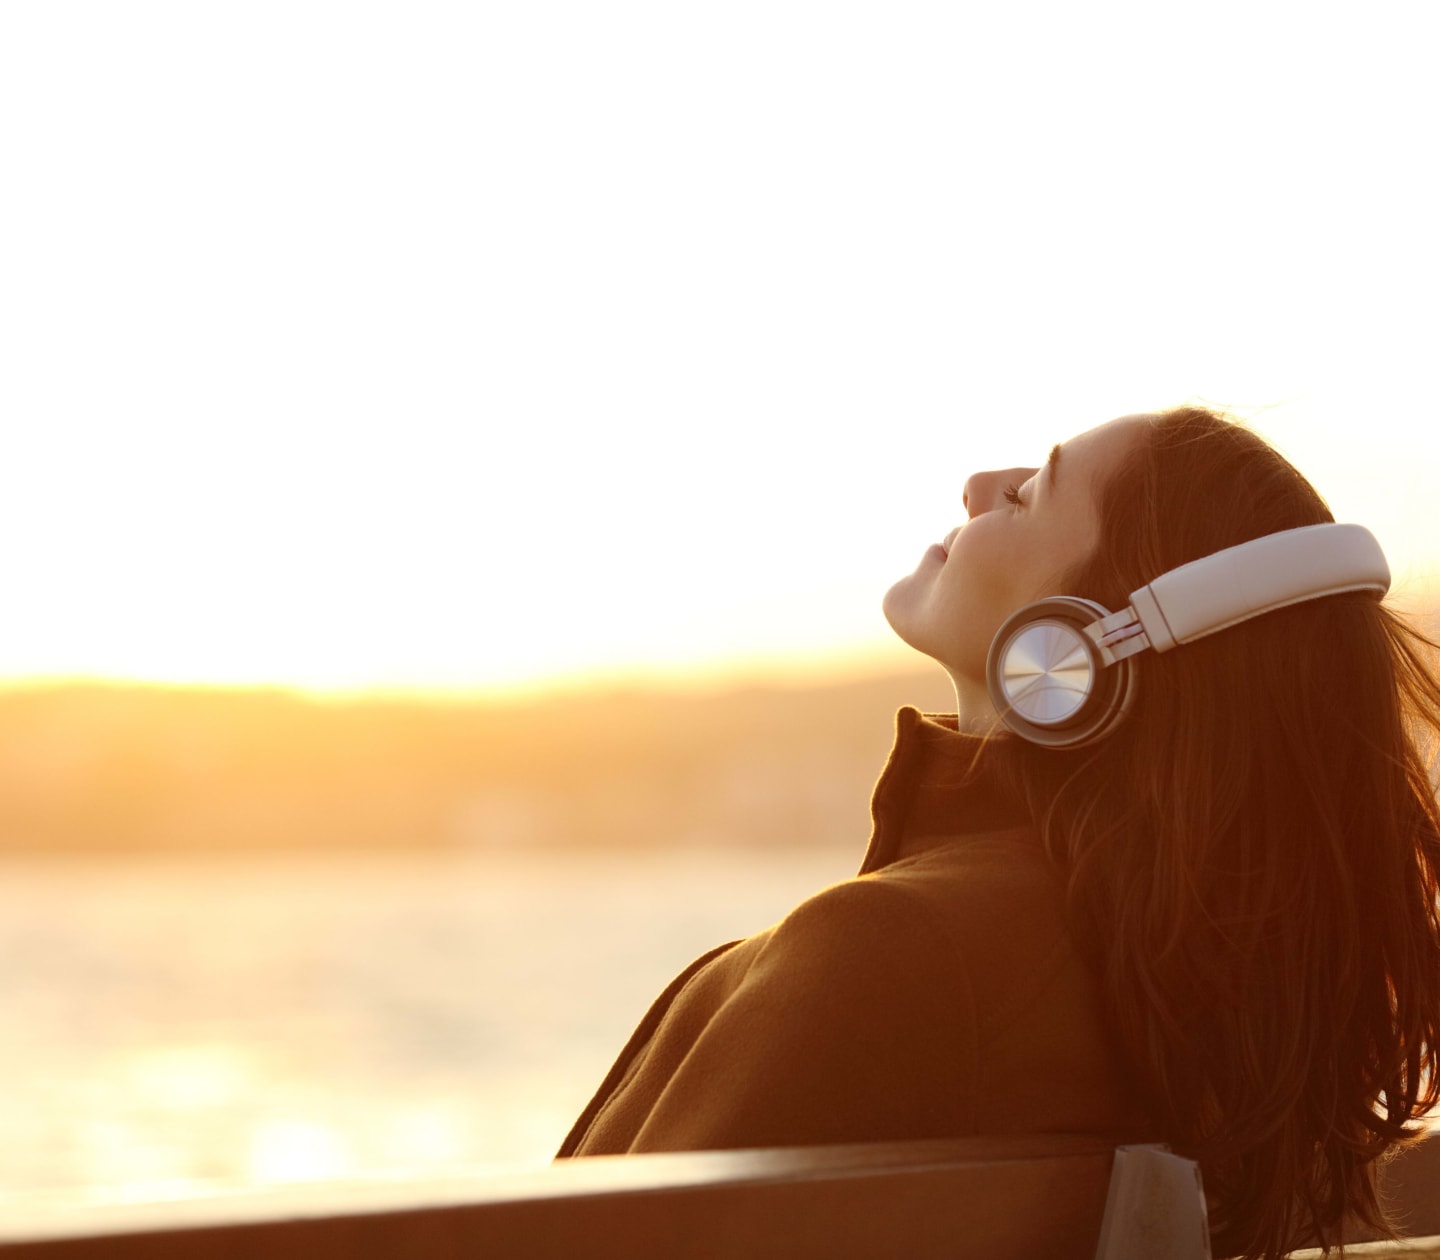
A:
(112, 769)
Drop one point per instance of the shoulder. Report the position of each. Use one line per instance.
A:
(845, 915)
(859, 974)
(866, 938)
(969, 885)
(986, 888)
(853, 1023)
(981, 919)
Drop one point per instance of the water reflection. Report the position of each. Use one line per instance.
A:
(173, 1026)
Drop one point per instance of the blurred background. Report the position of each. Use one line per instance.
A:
(453, 456)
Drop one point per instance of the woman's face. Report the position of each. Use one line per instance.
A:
(1025, 528)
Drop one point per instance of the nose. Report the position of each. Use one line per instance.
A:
(983, 490)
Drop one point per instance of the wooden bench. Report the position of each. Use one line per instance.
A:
(992, 1199)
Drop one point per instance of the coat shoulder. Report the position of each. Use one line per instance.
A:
(851, 1023)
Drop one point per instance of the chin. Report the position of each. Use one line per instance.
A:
(908, 633)
(893, 607)
(907, 608)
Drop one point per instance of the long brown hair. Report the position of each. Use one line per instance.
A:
(1252, 857)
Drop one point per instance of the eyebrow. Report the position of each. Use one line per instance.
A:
(1053, 464)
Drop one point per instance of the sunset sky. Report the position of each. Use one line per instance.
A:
(481, 345)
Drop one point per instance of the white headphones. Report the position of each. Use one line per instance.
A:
(1059, 670)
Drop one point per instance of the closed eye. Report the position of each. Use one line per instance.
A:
(1011, 494)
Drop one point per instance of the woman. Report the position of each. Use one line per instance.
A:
(1215, 926)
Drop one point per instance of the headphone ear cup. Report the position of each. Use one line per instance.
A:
(1047, 680)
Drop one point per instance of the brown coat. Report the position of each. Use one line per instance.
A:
(935, 995)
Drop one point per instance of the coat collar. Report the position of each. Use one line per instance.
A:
(938, 784)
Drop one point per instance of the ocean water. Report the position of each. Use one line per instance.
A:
(182, 1025)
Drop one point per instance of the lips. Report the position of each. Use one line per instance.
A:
(950, 539)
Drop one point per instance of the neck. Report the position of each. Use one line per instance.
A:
(973, 710)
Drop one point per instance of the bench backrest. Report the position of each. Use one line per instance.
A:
(990, 1200)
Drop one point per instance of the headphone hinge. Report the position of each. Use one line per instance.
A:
(1119, 635)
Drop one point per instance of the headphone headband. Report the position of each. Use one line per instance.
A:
(1257, 577)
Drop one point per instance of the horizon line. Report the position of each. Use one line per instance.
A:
(819, 668)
